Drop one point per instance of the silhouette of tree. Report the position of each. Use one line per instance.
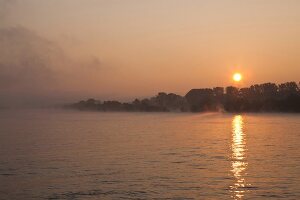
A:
(266, 97)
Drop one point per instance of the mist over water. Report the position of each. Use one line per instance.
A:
(79, 155)
(36, 71)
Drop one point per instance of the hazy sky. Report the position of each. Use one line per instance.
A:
(135, 48)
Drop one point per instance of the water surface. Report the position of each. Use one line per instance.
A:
(90, 155)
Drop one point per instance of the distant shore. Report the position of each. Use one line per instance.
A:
(266, 97)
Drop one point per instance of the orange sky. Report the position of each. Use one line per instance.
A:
(125, 49)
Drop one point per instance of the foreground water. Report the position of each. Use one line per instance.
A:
(82, 155)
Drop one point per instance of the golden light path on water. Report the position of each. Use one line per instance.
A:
(238, 163)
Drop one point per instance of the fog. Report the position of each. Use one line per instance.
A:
(34, 70)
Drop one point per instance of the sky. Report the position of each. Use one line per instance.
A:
(66, 50)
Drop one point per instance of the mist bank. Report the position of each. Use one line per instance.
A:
(266, 97)
(36, 71)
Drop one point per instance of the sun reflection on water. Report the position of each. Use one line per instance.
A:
(238, 163)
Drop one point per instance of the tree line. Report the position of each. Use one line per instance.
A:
(266, 97)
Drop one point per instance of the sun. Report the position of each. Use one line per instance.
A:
(237, 77)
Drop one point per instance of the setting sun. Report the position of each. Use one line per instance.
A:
(237, 77)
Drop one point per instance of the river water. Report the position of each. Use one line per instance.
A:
(92, 155)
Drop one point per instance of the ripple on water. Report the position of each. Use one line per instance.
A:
(149, 156)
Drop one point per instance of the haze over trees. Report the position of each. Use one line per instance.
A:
(266, 97)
